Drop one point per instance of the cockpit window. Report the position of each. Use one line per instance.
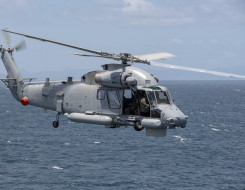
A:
(162, 97)
(151, 98)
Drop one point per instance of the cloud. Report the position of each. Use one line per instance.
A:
(138, 7)
(135, 12)
(143, 12)
(21, 3)
(185, 12)
(222, 11)
(177, 41)
(10, 7)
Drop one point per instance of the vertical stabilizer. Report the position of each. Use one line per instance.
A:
(14, 79)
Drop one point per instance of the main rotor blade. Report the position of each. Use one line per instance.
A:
(154, 56)
(59, 43)
(197, 70)
(102, 56)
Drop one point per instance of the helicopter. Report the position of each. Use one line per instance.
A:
(119, 95)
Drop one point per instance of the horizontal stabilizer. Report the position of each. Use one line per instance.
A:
(8, 79)
(30, 79)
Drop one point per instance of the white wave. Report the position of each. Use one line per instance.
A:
(214, 129)
(9, 141)
(177, 137)
(67, 144)
(97, 142)
(57, 168)
(181, 138)
(70, 122)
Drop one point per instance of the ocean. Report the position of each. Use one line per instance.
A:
(208, 154)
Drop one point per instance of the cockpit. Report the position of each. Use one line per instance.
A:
(158, 97)
(145, 101)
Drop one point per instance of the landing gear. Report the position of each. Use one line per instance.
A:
(138, 126)
(56, 122)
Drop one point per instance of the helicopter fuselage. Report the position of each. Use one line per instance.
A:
(120, 95)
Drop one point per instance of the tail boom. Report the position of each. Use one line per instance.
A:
(14, 79)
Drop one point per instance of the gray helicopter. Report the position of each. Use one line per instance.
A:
(119, 95)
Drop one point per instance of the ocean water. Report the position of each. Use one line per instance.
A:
(208, 154)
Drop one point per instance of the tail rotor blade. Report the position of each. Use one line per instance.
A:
(21, 46)
(7, 38)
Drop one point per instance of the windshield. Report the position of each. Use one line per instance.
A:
(151, 97)
(162, 97)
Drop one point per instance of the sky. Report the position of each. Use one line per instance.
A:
(207, 34)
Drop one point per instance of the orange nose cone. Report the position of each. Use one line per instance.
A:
(24, 101)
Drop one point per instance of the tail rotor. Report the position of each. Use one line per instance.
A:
(18, 47)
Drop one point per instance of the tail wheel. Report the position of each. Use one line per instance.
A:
(138, 126)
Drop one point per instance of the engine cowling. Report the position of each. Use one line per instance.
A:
(115, 79)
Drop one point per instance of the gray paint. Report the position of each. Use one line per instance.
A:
(80, 102)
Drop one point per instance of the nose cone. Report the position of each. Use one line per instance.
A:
(173, 117)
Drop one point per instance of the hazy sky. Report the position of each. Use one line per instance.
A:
(208, 34)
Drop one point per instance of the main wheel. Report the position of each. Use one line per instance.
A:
(55, 124)
(138, 126)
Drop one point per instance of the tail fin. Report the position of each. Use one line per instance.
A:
(14, 79)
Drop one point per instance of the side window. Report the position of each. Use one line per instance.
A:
(101, 94)
(113, 99)
(128, 94)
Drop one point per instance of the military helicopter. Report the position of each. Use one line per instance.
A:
(119, 95)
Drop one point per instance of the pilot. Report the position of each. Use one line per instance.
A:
(144, 105)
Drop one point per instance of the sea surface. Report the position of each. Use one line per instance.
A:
(208, 154)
